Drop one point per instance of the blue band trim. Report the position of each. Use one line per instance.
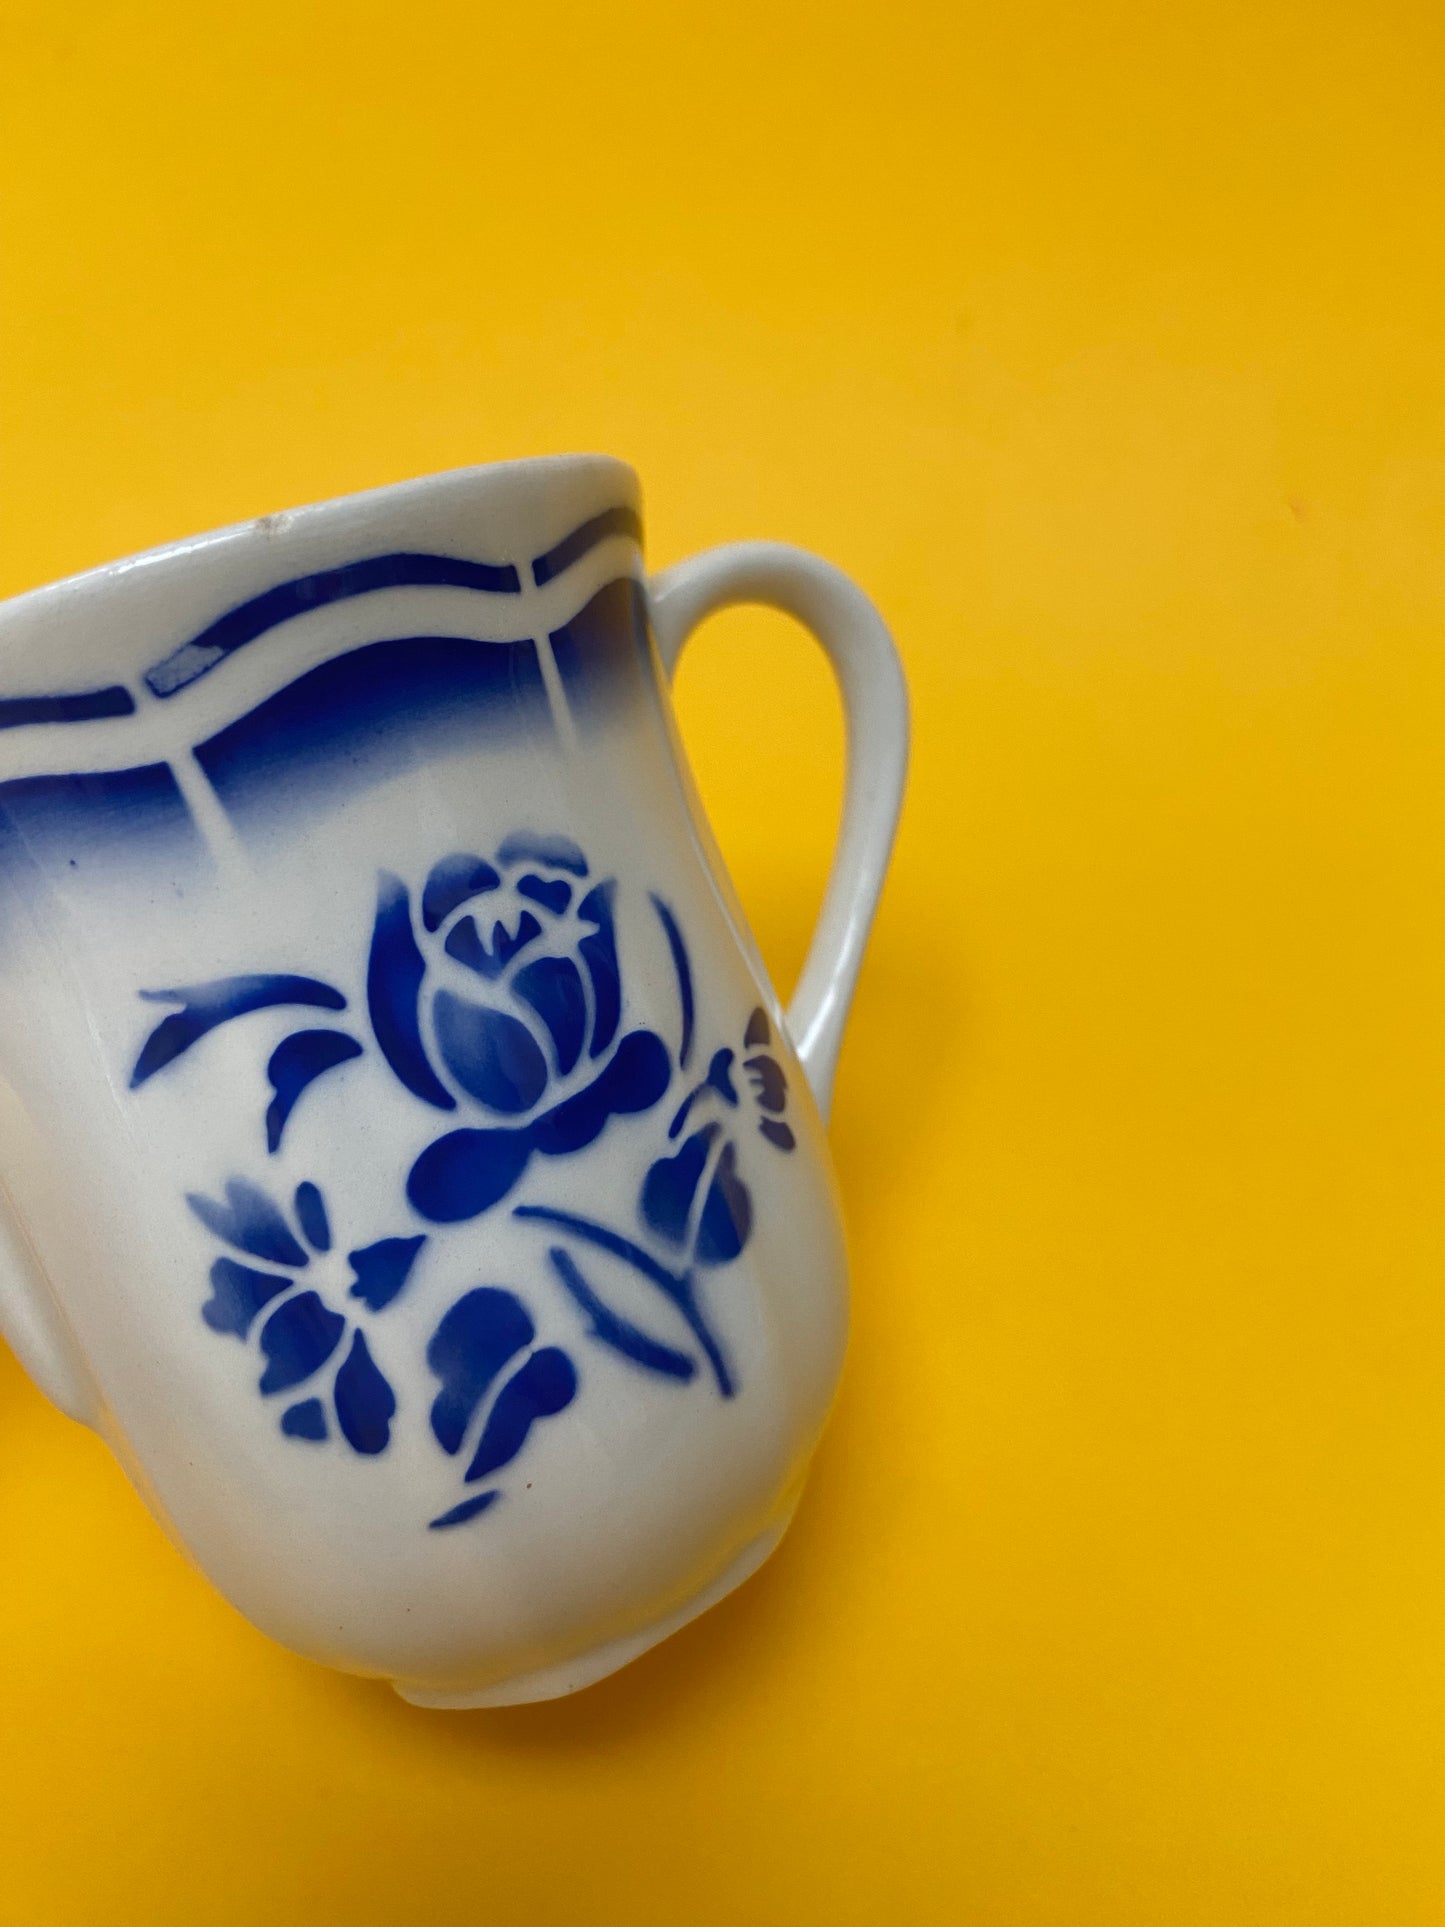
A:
(248, 620)
(86, 706)
(622, 520)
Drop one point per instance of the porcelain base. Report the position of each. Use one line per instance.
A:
(556, 1682)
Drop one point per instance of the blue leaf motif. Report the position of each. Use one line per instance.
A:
(204, 1006)
(671, 1185)
(468, 1509)
(669, 1194)
(296, 1062)
(541, 1388)
(727, 1214)
(476, 1338)
(678, 1287)
(610, 1328)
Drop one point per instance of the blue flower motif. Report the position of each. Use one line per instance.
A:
(513, 1007)
(496, 991)
(694, 1204)
(510, 1001)
(695, 1200)
(299, 1332)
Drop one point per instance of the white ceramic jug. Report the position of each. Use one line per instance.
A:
(407, 1168)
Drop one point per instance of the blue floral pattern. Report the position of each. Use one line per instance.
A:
(495, 994)
(300, 1332)
(532, 1038)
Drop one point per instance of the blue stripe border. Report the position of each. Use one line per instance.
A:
(248, 620)
(621, 520)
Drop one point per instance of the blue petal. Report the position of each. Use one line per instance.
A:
(758, 1031)
(451, 883)
(237, 1294)
(551, 892)
(494, 1057)
(727, 1215)
(469, 1347)
(671, 1185)
(382, 1269)
(553, 987)
(365, 1403)
(770, 1086)
(720, 1076)
(465, 945)
(311, 1216)
(466, 1172)
(394, 975)
(297, 1339)
(557, 852)
(305, 1421)
(544, 1386)
(296, 1062)
(635, 1079)
(598, 950)
(249, 1221)
(776, 1133)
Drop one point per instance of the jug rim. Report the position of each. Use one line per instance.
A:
(275, 522)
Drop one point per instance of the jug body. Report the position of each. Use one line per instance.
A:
(415, 1180)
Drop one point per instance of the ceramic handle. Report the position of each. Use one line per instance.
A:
(875, 707)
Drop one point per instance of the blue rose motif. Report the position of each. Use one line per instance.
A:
(520, 992)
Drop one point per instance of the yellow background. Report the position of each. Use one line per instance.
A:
(1103, 343)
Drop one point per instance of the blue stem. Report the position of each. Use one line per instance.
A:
(678, 1288)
